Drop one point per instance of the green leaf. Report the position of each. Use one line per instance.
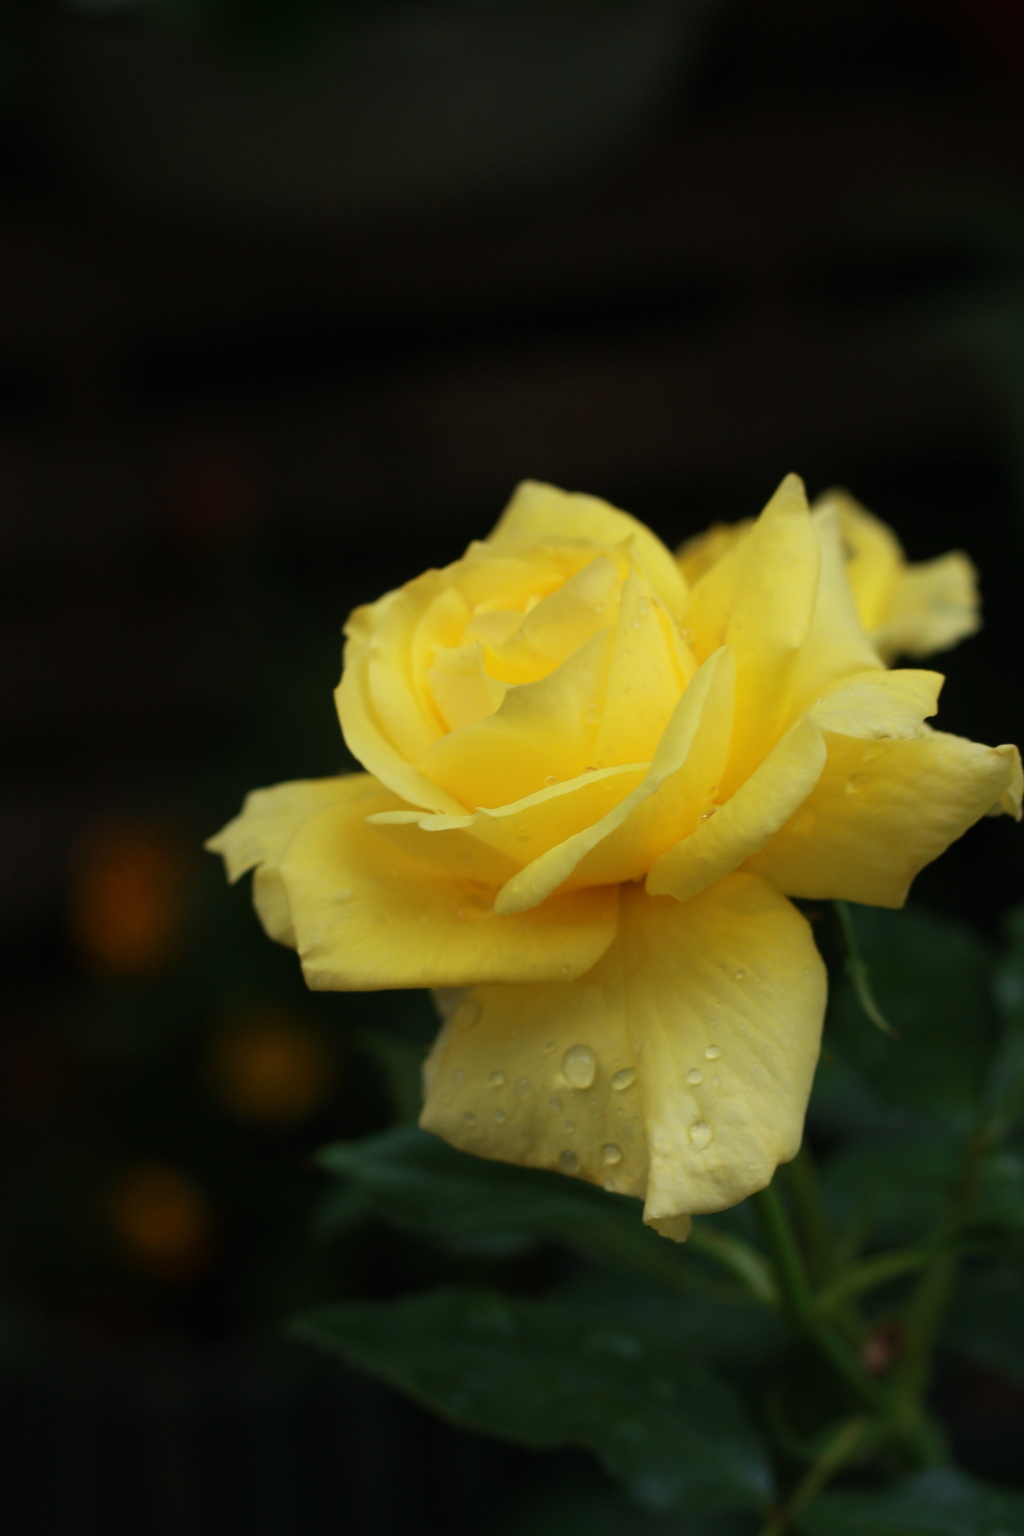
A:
(417, 1182)
(939, 1502)
(986, 1320)
(555, 1372)
(932, 980)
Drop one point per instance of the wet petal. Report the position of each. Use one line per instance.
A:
(695, 1036)
(368, 915)
(881, 811)
(543, 1076)
(724, 998)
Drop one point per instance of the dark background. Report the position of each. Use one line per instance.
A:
(260, 361)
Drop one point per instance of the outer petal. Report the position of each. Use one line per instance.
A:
(587, 1076)
(836, 645)
(259, 834)
(882, 810)
(500, 1081)
(934, 605)
(538, 513)
(877, 704)
(725, 997)
(366, 915)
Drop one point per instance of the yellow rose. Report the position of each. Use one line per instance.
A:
(907, 609)
(591, 790)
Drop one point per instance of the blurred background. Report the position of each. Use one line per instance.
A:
(292, 292)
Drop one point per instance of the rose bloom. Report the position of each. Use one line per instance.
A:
(592, 787)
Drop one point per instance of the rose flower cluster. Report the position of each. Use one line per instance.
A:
(596, 774)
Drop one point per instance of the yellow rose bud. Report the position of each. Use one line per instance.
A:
(592, 786)
(907, 609)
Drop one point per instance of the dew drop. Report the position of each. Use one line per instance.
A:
(467, 1013)
(713, 1052)
(592, 713)
(694, 1076)
(570, 1126)
(555, 1102)
(565, 969)
(499, 1117)
(643, 605)
(855, 783)
(496, 1079)
(611, 1186)
(700, 1134)
(611, 1154)
(551, 779)
(740, 974)
(549, 1047)
(707, 815)
(579, 1066)
(524, 1088)
(469, 1118)
(624, 1079)
(569, 1160)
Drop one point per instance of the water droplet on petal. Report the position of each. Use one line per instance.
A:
(713, 1052)
(694, 1076)
(524, 1088)
(643, 605)
(855, 783)
(624, 1079)
(700, 1133)
(689, 635)
(579, 1066)
(611, 1154)
(570, 1126)
(469, 1118)
(565, 969)
(496, 1079)
(707, 815)
(499, 1117)
(569, 1160)
(740, 974)
(551, 779)
(611, 1186)
(555, 1102)
(467, 1013)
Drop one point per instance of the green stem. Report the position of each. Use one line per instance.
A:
(873, 1272)
(802, 1177)
(799, 1302)
(739, 1258)
(852, 1437)
(857, 970)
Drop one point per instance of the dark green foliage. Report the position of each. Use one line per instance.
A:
(559, 1372)
(935, 1503)
(703, 1375)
